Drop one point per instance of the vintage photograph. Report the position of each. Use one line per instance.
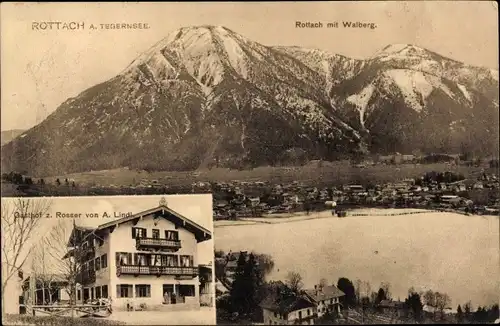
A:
(348, 151)
(116, 260)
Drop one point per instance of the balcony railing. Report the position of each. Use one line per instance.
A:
(156, 270)
(158, 243)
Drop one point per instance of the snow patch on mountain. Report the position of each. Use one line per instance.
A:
(360, 101)
(464, 91)
(416, 86)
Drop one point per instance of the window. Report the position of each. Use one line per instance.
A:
(92, 294)
(139, 233)
(104, 261)
(331, 301)
(308, 312)
(143, 290)
(98, 263)
(98, 292)
(104, 291)
(186, 261)
(123, 258)
(124, 290)
(140, 259)
(91, 265)
(186, 290)
(275, 314)
(169, 260)
(171, 235)
(155, 260)
(79, 295)
(156, 234)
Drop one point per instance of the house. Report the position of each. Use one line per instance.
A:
(281, 307)
(326, 298)
(145, 259)
(393, 308)
(48, 288)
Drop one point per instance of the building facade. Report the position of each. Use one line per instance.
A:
(326, 299)
(146, 261)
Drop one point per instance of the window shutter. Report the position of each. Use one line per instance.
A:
(118, 291)
(136, 259)
(145, 233)
(133, 233)
(117, 258)
(191, 262)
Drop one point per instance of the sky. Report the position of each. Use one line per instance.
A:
(197, 208)
(41, 69)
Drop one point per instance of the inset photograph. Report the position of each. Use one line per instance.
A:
(124, 259)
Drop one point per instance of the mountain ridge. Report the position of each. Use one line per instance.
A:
(207, 95)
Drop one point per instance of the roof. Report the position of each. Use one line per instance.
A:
(324, 293)
(391, 304)
(201, 233)
(284, 304)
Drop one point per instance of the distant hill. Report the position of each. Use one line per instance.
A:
(207, 94)
(9, 135)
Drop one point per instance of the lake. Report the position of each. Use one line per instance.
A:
(446, 252)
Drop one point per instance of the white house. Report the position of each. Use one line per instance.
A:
(326, 298)
(144, 261)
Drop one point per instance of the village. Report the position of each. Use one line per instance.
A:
(431, 191)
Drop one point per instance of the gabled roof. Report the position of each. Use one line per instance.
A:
(284, 304)
(201, 233)
(324, 293)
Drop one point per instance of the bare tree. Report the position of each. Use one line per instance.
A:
(357, 289)
(294, 281)
(442, 302)
(45, 280)
(65, 246)
(20, 219)
(430, 300)
(323, 283)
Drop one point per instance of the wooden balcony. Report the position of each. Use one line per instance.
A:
(137, 270)
(157, 243)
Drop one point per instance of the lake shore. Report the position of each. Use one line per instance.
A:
(303, 216)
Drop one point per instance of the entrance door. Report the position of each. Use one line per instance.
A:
(169, 294)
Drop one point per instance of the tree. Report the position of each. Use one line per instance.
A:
(414, 304)
(460, 314)
(380, 296)
(357, 290)
(68, 256)
(386, 286)
(294, 281)
(20, 219)
(238, 291)
(323, 282)
(442, 302)
(45, 281)
(346, 286)
(467, 311)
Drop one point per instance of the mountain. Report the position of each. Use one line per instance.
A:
(8, 135)
(207, 94)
